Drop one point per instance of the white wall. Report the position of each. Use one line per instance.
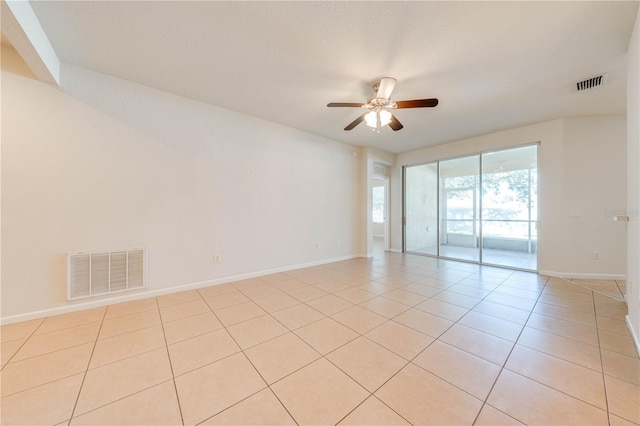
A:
(581, 167)
(106, 164)
(595, 188)
(633, 188)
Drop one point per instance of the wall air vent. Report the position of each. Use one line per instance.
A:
(95, 274)
(379, 170)
(592, 82)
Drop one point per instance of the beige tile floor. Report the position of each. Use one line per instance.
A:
(399, 339)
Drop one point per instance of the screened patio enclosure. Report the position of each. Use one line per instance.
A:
(479, 208)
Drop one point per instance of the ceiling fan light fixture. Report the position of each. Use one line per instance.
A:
(385, 117)
(372, 118)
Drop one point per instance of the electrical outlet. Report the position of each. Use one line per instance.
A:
(317, 245)
(596, 255)
(217, 258)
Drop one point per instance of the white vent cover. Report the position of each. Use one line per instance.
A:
(93, 274)
(379, 169)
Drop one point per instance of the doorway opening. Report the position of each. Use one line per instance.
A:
(380, 214)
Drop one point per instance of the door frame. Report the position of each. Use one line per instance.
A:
(385, 210)
(387, 225)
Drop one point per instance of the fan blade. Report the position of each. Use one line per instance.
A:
(395, 124)
(417, 103)
(355, 122)
(387, 85)
(345, 104)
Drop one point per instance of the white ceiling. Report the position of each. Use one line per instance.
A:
(493, 65)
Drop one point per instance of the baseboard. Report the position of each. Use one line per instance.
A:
(582, 276)
(144, 294)
(634, 336)
(395, 250)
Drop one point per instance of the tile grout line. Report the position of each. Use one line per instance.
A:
(604, 381)
(50, 381)
(371, 394)
(161, 324)
(507, 358)
(561, 359)
(322, 356)
(46, 353)
(274, 392)
(246, 398)
(583, 324)
(113, 362)
(75, 345)
(268, 386)
(621, 299)
(86, 371)
(554, 356)
(593, 289)
(551, 387)
(23, 343)
(166, 346)
(408, 361)
(622, 293)
(560, 335)
(436, 339)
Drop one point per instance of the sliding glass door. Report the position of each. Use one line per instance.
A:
(509, 213)
(480, 208)
(459, 208)
(421, 209)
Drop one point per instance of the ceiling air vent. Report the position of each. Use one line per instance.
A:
(592, 82)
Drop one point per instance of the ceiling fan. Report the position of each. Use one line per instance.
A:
(379, 105)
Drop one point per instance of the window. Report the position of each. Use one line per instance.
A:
(378, 204)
